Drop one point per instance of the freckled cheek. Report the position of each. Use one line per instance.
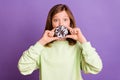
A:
(67, 24)
(55, 25)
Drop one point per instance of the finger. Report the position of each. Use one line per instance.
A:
(70, 36)
(75, 31)
(46, 32)
(53, 30)
(50, 34)
(69, 28)
(54, 38)
(78, 30)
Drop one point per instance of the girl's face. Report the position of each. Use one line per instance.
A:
(61, 18)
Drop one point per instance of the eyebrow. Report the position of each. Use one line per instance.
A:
(64, 16)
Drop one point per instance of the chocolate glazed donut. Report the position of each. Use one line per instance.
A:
(61, 31)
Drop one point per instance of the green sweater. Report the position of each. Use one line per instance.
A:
(60, 61)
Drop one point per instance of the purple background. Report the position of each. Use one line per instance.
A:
(22, 23)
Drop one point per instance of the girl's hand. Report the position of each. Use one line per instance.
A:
(48, 36)
(76, 34)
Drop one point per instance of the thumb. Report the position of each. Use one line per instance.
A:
(55, 38)
(69, 36)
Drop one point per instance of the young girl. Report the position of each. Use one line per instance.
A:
(61, 58)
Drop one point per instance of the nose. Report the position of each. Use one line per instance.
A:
(60, 22)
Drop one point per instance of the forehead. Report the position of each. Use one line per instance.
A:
(61, 14)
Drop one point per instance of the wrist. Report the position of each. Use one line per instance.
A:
(42, 42)
(82, 39)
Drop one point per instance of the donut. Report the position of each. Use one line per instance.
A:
(60, 31)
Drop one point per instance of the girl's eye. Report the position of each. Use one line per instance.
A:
(65, 19)
(55, 20)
